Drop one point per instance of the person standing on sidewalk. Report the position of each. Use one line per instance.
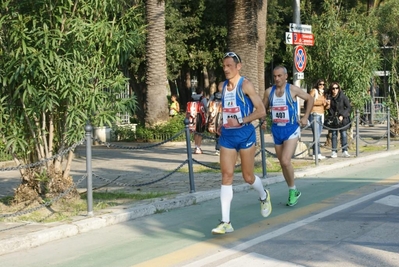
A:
(214, 106)
(339, 107)
(174, 108)
(201, 119)
(241, 105)
(320, 105)
(281, 99)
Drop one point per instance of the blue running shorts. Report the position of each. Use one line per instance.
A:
(284, 133)
(237, 139)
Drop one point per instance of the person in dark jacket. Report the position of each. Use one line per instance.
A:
(340, 109)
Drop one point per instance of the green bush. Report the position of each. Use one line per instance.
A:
(4, 155)
(153, 134)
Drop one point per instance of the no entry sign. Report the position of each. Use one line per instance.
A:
(300, 58)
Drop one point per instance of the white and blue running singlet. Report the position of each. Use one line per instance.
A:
(235, 104)
(284, 113)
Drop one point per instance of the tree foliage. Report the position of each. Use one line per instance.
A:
(388, 30)
(60, 68)
(346, 50)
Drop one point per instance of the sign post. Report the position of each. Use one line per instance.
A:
(300, 58)
(297, 20)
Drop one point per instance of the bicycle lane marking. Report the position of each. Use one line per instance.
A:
(290, 227)
(216, 247)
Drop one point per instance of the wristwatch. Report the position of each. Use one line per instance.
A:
(240, 121)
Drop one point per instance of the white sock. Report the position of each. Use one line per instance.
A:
(226, 196)
(292, 187)
(258, 186)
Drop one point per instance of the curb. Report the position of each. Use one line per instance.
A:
(120, 215)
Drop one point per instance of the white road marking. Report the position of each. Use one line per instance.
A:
(288, 228)
(391, 200)
(256, 259)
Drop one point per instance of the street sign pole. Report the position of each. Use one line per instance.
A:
(297, 20)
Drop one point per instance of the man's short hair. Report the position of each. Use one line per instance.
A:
(281, 67)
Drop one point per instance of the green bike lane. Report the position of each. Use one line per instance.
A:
(319, 193)
(183, 236)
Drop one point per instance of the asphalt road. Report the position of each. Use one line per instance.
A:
(345, 217)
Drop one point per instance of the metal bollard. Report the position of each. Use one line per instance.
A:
(189, 156)
(262, 147)
(357, 132)
(316, 151)
(388, 128)
(88, 129)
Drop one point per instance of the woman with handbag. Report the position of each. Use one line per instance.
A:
(339, 118)
(320, 105)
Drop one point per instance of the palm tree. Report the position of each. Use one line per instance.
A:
(243, 35)
(156, 109)
(247, 36)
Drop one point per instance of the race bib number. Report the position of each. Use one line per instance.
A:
(280, 114)
(228, 113)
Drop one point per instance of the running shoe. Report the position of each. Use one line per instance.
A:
(266, 205)
(293, 197)
(345, 154)
(217, 152)
(334, 154)
(320, 157)
(197, 150)
(222, 228)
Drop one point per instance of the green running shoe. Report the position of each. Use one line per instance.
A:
(293, 197)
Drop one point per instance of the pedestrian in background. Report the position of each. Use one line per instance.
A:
(320, 105)
(340, 109)
(174, 108)
(201, 120)
(214, 115)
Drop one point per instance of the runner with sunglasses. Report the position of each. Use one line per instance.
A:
(241, 105)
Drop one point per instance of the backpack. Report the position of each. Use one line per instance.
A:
(215, 113)
(195, 112)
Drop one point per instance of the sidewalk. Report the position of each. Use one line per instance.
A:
(138, 166)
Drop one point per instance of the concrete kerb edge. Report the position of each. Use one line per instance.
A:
(185, 199)
(37, 238)
(345, 163)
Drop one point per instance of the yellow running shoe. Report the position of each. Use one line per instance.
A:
(266, 205)
(222, 228)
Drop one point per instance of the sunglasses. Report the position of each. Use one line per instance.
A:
(232, 55)
(321, 84)
(335, 88)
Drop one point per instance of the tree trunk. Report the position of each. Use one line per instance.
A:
(156, 78)
(247, 37)
(262, 25)
(242, 19)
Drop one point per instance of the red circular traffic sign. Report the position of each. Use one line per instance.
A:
(300, 58)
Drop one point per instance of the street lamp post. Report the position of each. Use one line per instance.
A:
(385, 40)
(193, 84)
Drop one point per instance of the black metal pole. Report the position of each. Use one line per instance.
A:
(316, 138)
(388, 128)
(89, 129)
(357, 132)
(189, 156)
(262, 149)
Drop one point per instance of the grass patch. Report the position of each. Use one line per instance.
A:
(371, 148)
(66, 209)
(202, 169)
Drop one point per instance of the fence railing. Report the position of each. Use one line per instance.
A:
(91, 172)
